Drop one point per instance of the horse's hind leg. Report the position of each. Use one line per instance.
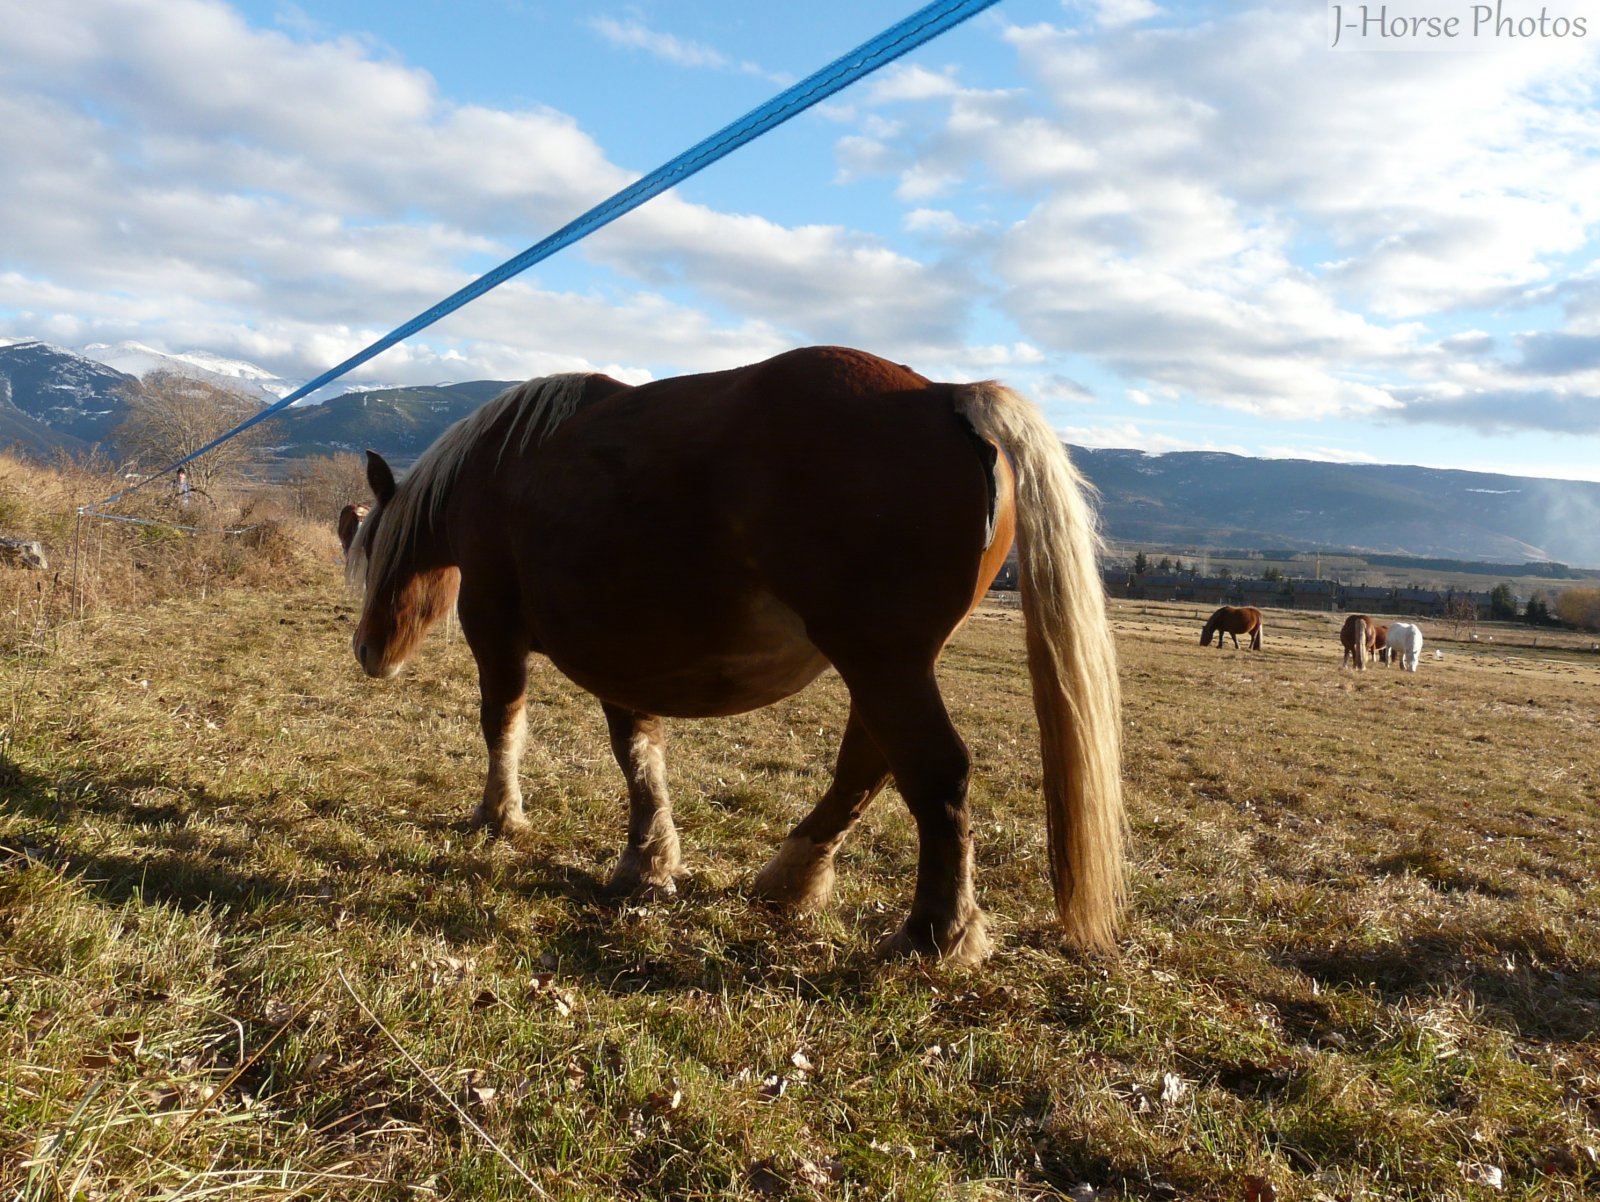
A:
(651, 860)
(800, 875)
(906, 717)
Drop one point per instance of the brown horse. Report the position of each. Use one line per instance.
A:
(1233, 620)
(350, 519)
(1380, 641)
(1359, 635)
(708, 544)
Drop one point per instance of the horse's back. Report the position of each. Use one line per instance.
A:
(730, 532)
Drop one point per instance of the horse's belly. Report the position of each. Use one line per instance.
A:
(691, 666)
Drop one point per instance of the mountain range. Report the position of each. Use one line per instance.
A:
(53, 399)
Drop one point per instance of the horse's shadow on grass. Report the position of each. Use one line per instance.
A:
(168, 865)
(1521, 983)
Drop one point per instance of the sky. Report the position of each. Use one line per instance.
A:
(1177, 226)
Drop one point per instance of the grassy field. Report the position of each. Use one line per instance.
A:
(249, 948)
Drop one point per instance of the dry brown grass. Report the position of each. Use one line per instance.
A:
(247, 538)
(1362, 962)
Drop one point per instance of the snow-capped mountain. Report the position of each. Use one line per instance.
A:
(51, 396)
(136, 359)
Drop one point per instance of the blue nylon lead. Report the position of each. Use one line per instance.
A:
(921, 26)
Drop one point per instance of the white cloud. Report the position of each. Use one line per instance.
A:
(1231, 212)
(1213, 211)
(1134, 437)
(157, 190)
(910, 82)
(1113, 13)
(673, 49)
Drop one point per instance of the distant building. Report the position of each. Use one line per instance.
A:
(1263, 593)
(1163, 586)
(1313, 594)
(1360, 598)
(1118, 581)
(1213, 590)
(1419, 602)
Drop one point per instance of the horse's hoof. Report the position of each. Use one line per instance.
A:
(798, 877)
(509, 826)
(654, 876)
(965, 943)
(635, 887)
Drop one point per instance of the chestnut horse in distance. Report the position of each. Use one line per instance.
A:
(708, 544)
(1359, 636)
(350, 519)
(1233, 620)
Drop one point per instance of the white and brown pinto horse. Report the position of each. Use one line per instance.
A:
(708, 544)
(1359, 636)
(350, 519)
(1233, 620)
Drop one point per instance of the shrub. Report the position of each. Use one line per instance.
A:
(1580, 607)
(98, 564)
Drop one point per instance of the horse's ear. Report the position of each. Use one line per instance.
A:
(380, 478)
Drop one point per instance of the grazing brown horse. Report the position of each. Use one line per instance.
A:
(708, 544)
(1380, 641)
(350, 519)
(1233, 620)
(1359, 635)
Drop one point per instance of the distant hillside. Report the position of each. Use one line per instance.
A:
(33, 438)
(1217, 500)
(396, 422)
(62, 392)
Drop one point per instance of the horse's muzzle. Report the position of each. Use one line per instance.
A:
(375, 665)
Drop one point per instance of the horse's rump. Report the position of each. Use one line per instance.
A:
(1359, 637)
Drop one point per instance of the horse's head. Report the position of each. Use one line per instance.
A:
(406, 589)
(1205, 634)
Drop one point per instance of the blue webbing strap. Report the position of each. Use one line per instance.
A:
(921, 26)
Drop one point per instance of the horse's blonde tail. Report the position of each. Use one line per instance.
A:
(1071, 661)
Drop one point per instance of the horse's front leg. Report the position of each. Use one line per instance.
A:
(502, 688)
(651, 861)
(503, 714)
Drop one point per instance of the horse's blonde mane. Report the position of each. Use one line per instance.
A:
(536, 408)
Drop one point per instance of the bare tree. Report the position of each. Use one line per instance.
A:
(1460, 612)
(324, 484)
(170, 416)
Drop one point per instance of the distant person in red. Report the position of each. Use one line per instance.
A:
(182, 487)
